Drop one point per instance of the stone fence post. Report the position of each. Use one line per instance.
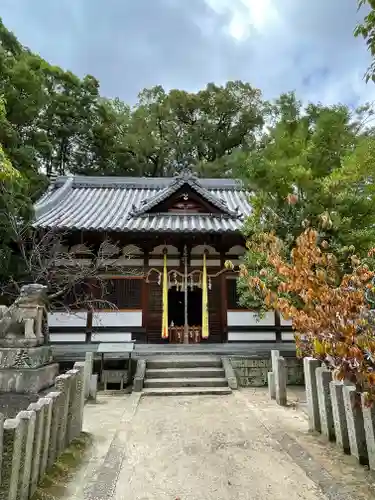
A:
(89, 363)
(39, 410)
(356, 429)
(139, 375)
(73, 407)
(62, 385)
(323, 379)
(2, 419)
(57, 409)
(280, 381)
(339, 416)
(80, 396)
(47, 403)
(271, 375)
(309, 367)
(10, 467)
(369, 425)
(27, 419)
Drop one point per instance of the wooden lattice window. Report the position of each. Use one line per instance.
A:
(123, 293)
(77, 297)
(232, 294)
(155, 297)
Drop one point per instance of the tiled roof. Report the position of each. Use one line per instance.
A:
(121, 204)
(175, 184)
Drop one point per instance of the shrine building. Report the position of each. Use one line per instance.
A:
(168, 281)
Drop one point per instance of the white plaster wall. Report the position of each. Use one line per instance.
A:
(68, 319)
(251, 336)
(210, 262)
(111, 337)
(117, 318)
(249, 318)
(122, 261)
(287, 336)
(73, 263)
(160, 262)
(285, 322)
(67, 337)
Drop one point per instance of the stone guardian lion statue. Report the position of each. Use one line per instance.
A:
(24, 323)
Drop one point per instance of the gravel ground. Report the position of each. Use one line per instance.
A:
(240, 446)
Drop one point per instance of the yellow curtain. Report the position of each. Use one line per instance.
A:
(205, 331)
(164, 325)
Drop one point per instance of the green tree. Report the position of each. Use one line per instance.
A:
(205, 128)
(59, 123)
(366, 29)
(314, 167)
(15, 206)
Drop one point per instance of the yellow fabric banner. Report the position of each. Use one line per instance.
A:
(205, 331)
(164, 324)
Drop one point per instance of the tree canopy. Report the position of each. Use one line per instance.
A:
(56, 122)
(314, 166)
(366, 29)
(304, 165)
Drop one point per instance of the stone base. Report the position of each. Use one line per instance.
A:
(28, 380)
(25, 357)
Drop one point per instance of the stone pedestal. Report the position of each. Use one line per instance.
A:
(26, 369)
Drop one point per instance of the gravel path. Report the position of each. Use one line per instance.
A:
(205, 448)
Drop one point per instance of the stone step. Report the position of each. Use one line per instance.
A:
(186, 382)
(184, 362)
(186, 391)
(200, 372)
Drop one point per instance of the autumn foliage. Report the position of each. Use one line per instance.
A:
(330, 312)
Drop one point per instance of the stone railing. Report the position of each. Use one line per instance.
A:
(251, 371)
(31, 442)
(336, 411)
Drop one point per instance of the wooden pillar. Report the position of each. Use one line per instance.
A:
(145, 291)
(224, 304)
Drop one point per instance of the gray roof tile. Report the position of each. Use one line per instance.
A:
(107, 203)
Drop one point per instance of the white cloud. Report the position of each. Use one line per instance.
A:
(300, 45)
(276, 45)
(246, 16)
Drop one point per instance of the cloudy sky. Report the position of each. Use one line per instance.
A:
(277, 45)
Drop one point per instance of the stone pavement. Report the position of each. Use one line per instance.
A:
(239, 446)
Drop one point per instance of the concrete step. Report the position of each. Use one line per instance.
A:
(186, 382)
(200, 372)
(185, 391)
(184, 362)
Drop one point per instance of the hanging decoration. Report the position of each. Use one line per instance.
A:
(177, 279)
(173, 278)
(164, 325)
(205, 329)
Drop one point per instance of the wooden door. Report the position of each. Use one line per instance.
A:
(154, 314)
(214, 312)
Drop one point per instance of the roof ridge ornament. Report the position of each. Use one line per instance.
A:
(185, 172)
